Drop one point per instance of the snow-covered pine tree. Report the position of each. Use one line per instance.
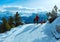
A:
(53, 14)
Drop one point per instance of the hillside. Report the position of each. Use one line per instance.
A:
(33, 33)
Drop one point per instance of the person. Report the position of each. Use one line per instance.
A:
(36, 19)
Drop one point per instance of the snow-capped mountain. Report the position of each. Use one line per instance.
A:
(24, 16)
(29, 18)
(5, 14)
(23, 11)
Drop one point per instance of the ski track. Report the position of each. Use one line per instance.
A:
(34, 28)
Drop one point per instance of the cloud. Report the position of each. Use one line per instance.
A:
(48, 4)
(20, 9)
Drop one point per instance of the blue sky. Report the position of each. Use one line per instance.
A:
(47, 4)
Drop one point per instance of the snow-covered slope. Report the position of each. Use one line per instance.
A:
(27, 33)
(33, 33)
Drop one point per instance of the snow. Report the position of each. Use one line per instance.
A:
(45, 32)
(56, 22)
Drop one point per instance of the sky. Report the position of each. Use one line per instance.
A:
(44, 4)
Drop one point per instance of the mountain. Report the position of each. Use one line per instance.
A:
(5, 14)
(33, 33)
(24, 16)
(30, 17)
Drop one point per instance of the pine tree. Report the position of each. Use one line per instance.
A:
(11, 20)
(17, 19)
(48, 14)
(53, 14)
(2, 29)
(55, 8)
(4, 20)
(5, 24)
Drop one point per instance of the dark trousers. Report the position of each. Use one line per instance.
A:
(36, 21)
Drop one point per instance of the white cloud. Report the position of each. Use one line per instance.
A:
(20, 9)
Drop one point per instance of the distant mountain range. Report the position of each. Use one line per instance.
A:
(24, 15)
